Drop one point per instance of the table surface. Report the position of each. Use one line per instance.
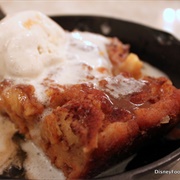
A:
(162, 15)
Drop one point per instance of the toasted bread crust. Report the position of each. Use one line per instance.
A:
(86, 124)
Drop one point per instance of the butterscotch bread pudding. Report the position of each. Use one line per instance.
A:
(81, 97)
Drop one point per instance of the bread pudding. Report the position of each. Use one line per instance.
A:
(80, 97)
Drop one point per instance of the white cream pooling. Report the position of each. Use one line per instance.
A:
(36, 48)
(83, 57)
(41, 170)
(85, 53)
(122, 86)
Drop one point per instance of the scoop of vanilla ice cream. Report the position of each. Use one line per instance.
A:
(29, 42)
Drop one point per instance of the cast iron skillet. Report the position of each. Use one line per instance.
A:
(160, 49)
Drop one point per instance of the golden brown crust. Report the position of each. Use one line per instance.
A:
(103, 129)
(122, 60)
(86, 124)
(19, 103)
